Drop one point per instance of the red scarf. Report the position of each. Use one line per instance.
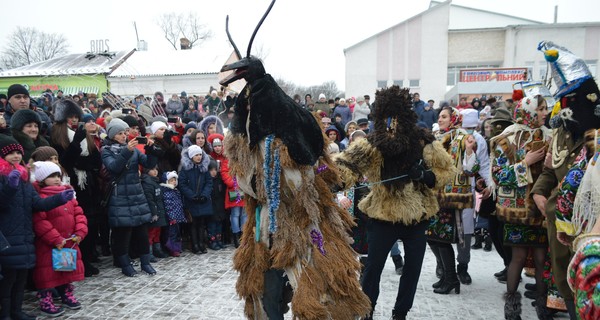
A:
(6, 168)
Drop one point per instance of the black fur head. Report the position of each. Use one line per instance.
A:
(584, 102)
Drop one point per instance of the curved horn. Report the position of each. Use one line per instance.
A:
(237, 52)
(258, 26)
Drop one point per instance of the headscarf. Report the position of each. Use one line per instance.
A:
(455, 119)
(525, 112)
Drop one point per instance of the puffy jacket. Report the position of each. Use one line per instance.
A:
(16, 210)
(228, 180)
(51, 227)
(190, 175)
(174, 108)
(127, 206)
(154, 196)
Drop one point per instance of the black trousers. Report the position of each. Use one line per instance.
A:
(12, 291)
(382, 236)
(496, 230)
(123, 236)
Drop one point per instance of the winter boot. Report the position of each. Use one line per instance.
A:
(202, 240)
(396, 315)
(212, 243)
(478, 239)
(68, 299)
(90, 270)
(220, 241)
(487, 239)
(126, 267)
(541, 310)
(398, 263)
(47, 305)
(512, 306)
(194, 236)
(158, 252)
(450, 281)
(236, 239)
(463, 275)
(153, 258)
(439, 283)
(145, 264)
(439, 268)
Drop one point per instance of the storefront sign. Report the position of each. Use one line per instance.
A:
(43, 87)
(99, 46)
(497, 74)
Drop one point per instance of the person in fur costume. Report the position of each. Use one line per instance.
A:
(406, 166)
(574, 120)
(294, 228)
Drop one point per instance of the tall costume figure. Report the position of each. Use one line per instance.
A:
(407, 167)
(577, 115)
(294, 228)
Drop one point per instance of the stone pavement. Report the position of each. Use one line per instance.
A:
(203, 287)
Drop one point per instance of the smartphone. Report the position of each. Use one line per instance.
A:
(141, 140)
(126, 110)
(172, 119)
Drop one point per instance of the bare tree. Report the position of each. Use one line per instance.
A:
(27, 45)
(329, 88)
(176, 26)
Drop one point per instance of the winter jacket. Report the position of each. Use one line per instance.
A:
(173, 203)
(195, 182)
(172, 155)
(228, 180)
(50, 228)
(154, 196)
(128, 206)
(29, 145)
(429, 117)
(218, 195)
(16, 210)
(344, 111)
(174, 108)
(418, 107)
(361, 112)
(213, 106)
(193, 115)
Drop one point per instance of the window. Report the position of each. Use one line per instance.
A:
(414, 83)
(381, 84)
(399, 82)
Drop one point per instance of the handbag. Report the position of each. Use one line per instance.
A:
(113, 184)
(64, 259)
(233, 195)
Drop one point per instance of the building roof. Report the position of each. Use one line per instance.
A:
(202, 60)
(71, 64)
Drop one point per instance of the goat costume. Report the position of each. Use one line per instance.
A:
(407, 166)
(294, 223)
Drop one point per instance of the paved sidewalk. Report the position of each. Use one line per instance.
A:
(203, 287)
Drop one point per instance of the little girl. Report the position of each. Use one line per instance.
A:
(62, 227)
(174, 207)
(19, 200)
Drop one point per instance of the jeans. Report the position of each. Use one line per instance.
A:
(238, 218)
(382, 236)
(396, 250)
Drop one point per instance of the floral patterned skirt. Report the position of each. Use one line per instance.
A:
(443, 226)
(522, 235)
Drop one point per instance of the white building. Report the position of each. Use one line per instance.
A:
(428, 51)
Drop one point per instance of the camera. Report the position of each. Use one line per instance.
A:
(141, 140)
(126, 110)
(172, 119)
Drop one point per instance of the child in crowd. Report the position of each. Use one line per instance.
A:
(47, 153)
(19, 200)
(215, 225)
(173, 204)
(62, 227)
(154, 195)
(196, 187)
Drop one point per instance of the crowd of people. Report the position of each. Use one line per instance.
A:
(140, 179)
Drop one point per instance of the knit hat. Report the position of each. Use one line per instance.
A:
(66, 108)
(156, 125)
(183, 94)
(17, 89)
(215, 138)
(131, 121)
(8, 144)
(322, 96)
(3, 96)
(44, 153)
(44, 169)
(23, 117)
(194, 150)
(168, 176)
(190, 125)
(470, 118)
(115, 126)
(348, 125)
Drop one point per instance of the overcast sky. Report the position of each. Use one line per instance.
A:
(304, 39)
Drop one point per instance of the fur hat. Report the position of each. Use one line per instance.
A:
(8, 144)
(44, 153)
(168, 176)
(156, 125)
(16, 89)
(115, 126)
(66, 108)
(23, 117)
(194, 150)
(131, 121)
(44, 169)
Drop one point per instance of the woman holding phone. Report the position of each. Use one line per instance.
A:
(517, 161)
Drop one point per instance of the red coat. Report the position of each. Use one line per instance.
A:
(228, 180)
(50, 228)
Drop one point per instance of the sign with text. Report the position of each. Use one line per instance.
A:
(496, 74)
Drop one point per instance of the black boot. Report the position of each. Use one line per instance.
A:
(396, 315)
(236, 239)
(194, 238)
(541, 310)
(398, 263)
(202, 240)
(439, 283)
(146, 266)
(158, 252)
(439, 268)
(450, 279)
(90, 270)
(463, 275)
(126, 267)
(478, 239)
(512, 306)
(487, 239)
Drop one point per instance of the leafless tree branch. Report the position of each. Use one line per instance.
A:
(187, 26)
(27, 45)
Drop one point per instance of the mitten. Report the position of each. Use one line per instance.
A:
(13, 179)
(67, 195)
(79, 135)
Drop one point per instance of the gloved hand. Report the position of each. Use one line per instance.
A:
(13, 179)
(67, 195)
(80, 134)
(429, 178)
(202, 199)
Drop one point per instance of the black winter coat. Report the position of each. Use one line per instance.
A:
(195, 182)
(154, 196)
(219, 189)
(127, 206)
